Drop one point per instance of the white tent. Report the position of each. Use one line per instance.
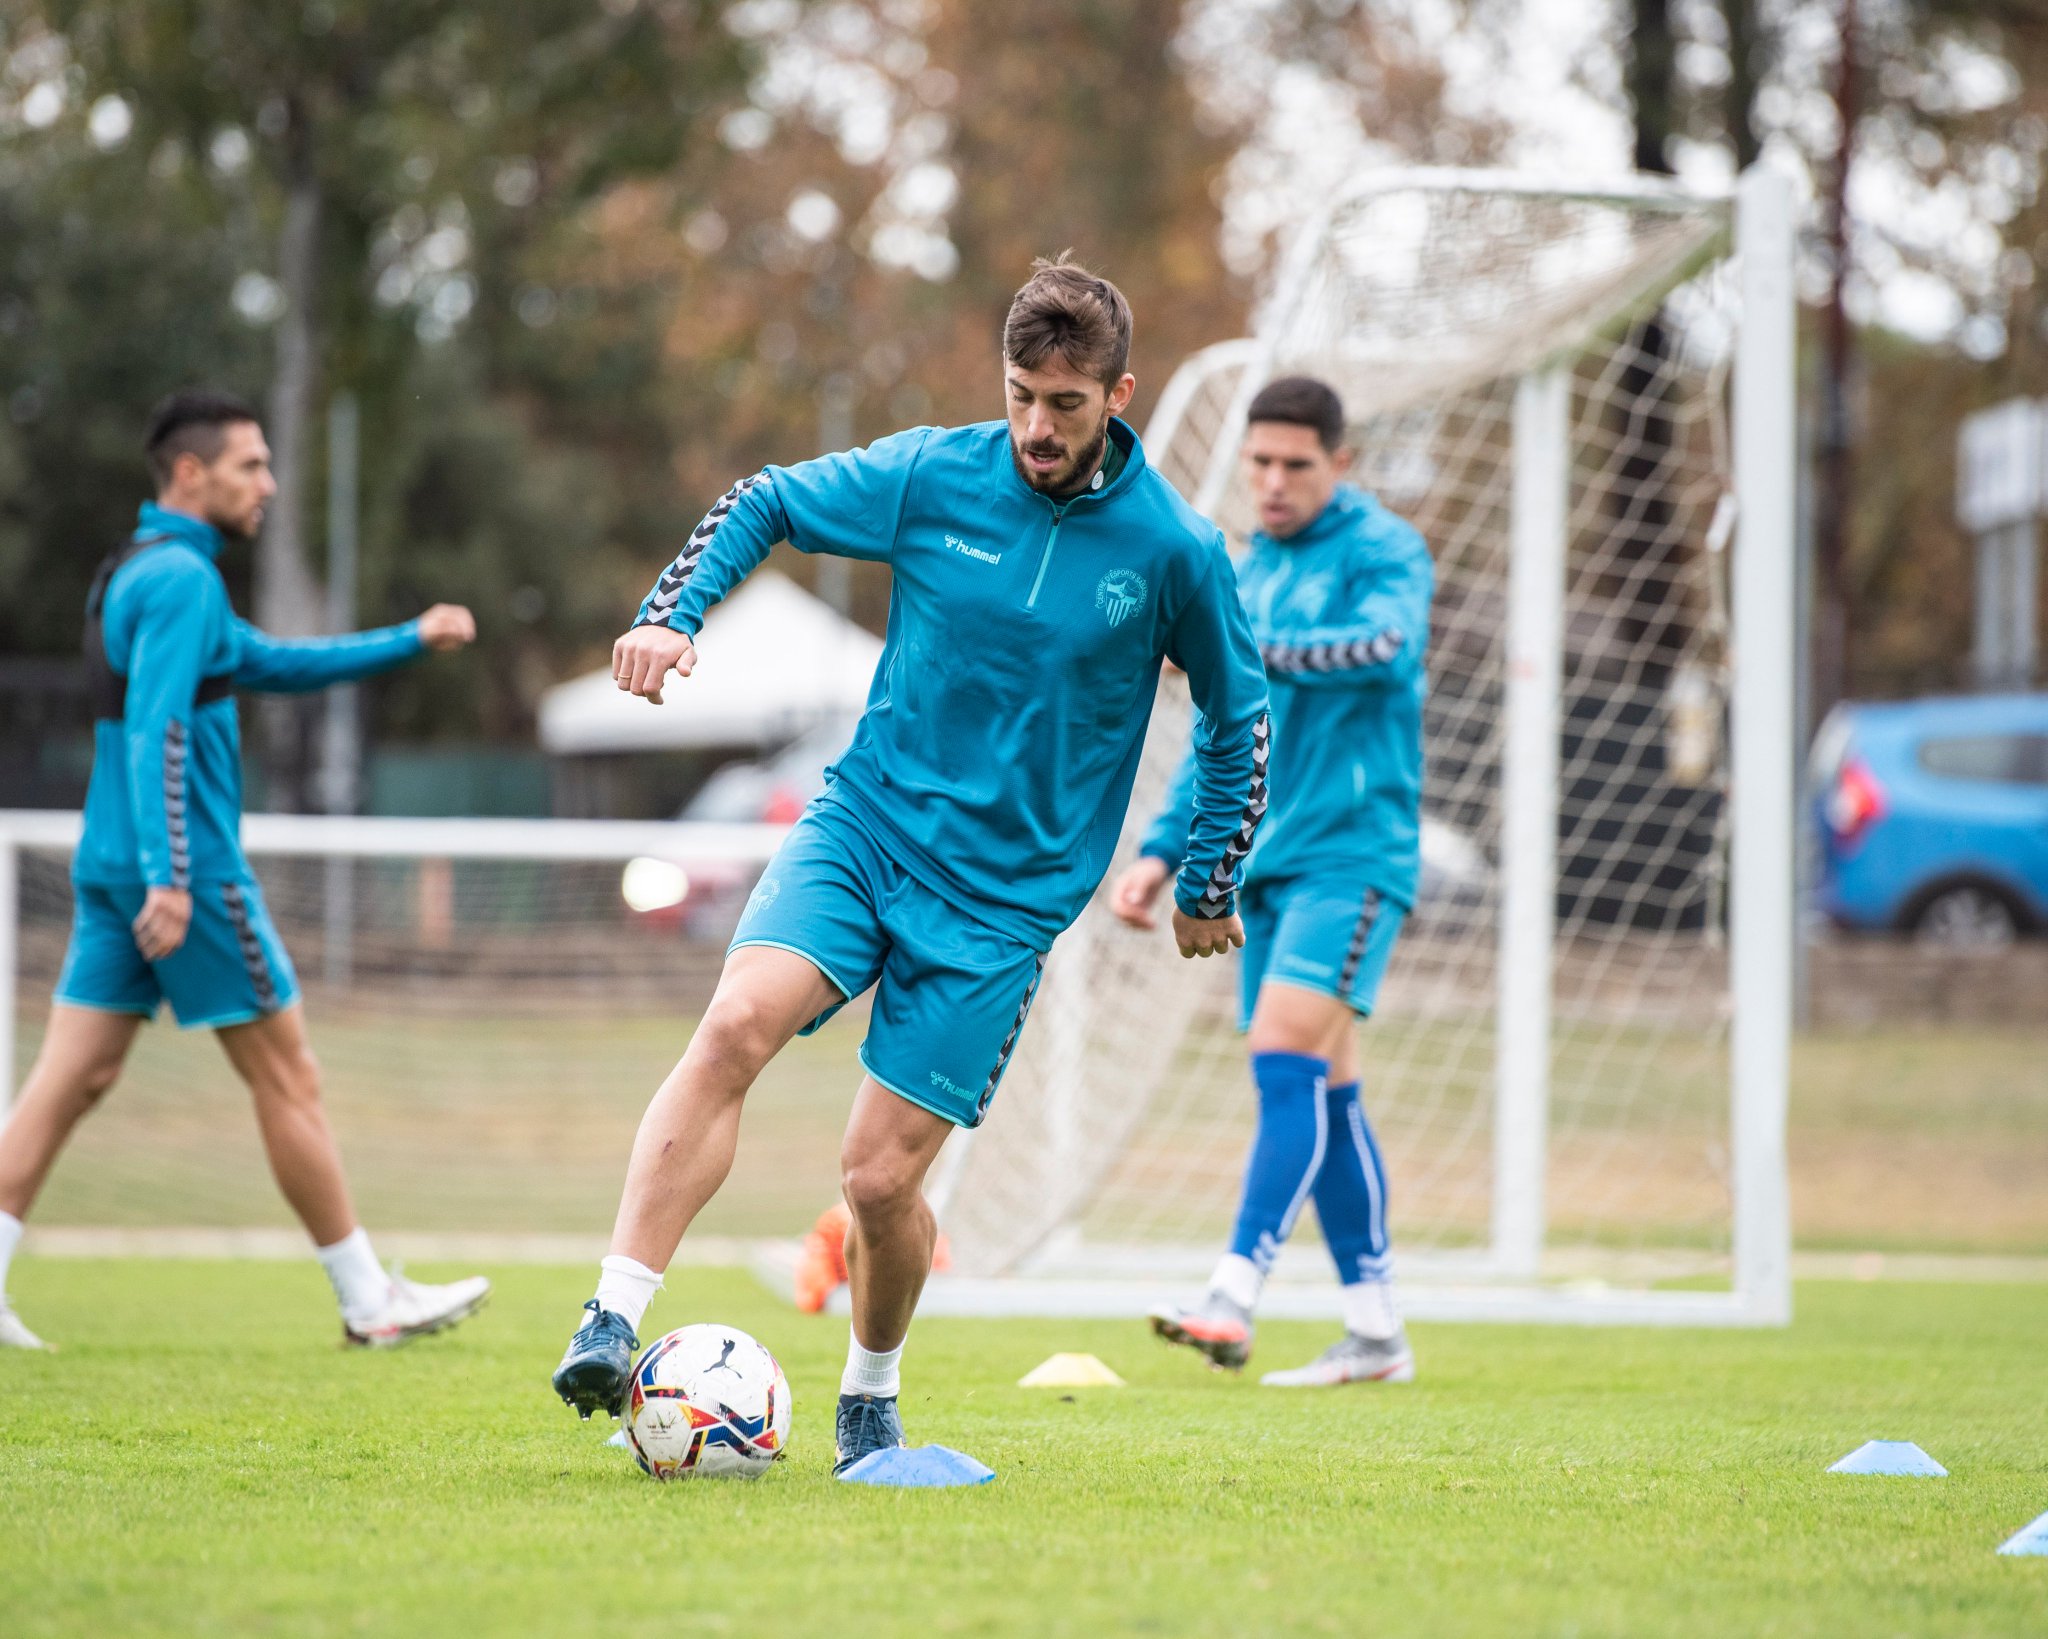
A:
(772, 661)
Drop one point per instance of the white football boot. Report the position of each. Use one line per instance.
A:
(413, 1310)
(1218, 1329)
(1352, 1359)
(13, 1334)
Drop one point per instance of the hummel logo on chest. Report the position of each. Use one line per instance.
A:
(955, 543)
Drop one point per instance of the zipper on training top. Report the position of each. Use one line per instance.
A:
(1052, 537)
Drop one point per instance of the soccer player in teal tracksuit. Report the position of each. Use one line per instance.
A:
(1041, 572)
(1338, 590)
(165, 907)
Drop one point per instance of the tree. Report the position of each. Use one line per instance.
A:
(834, 278)
(583, 265)
(340, 112)
(1941, 106)
(103, 307)
(1651, 546)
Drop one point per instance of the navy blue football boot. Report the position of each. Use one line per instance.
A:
(598, 1367)
(866, 1425)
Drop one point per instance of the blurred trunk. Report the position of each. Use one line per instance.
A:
(1651, 544)
(1834, 616)
(1652, 81)
(288, 600)
(1614, 743)
(1744, 63)
(1650, 550)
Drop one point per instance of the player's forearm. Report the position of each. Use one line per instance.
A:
(164, 669)
(1213, 644)
(1353, 657)
(277, 665)
(1377, 642)
(157, 748)
(1230, 800)
(726, 546)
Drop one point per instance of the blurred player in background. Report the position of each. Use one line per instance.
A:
(1041, 572)
(165, 906)
(1338, 591)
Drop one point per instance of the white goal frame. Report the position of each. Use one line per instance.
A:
(350, 837)
(1504, 1280)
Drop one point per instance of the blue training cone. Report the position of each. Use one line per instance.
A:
(1887, 1457)
(918, 1466)
(2028, 1539)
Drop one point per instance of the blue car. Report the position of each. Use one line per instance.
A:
(1933, 817)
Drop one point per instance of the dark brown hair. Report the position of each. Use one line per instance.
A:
(1066, 312)
(192, 422)
(1302, 401)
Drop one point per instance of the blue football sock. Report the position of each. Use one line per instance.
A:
(1351, 1190)
(1293, 1127)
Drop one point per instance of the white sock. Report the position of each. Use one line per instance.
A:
(625, 1287)
(870, 1373)
(1238, 1279)
(360, 1285)
(1369, 1309)
(10, 1238)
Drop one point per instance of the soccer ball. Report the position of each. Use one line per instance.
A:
(707, 1400)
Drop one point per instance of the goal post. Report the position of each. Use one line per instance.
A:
(1762, 910)
(1583, 395)
(1533, 713)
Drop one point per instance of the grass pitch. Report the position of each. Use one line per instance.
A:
(201, 1459)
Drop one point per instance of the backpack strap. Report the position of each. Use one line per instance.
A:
(105, 688)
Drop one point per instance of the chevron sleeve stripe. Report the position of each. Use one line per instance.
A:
(174, 804)
(1294, 659)
(1219, 896)
(668, 590)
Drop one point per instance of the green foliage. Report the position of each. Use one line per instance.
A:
(555, 375)
(113, 276)
(200, 1458)
(515, 448)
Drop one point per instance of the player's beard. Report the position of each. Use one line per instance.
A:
(240, 529)
(1076, 476)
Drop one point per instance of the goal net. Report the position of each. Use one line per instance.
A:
(492, 1003)
(1576, 1076)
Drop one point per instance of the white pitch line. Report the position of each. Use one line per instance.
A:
(421, 1246)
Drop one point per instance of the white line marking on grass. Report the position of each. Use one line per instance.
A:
(421, 1246)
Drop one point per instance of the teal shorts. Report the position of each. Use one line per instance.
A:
(231, 969)
(951, 994)
(1326, 933)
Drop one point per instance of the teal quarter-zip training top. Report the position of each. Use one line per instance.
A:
(1341, 614)
(164, 806)
(1003, 728)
